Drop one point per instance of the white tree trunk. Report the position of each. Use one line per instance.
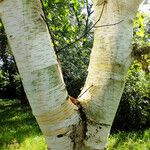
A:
(109, 62)
(42, 79)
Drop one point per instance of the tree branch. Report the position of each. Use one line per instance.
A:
(112, 24)
(87, 20)
(76, 15)
(68, 45)
(46, 21)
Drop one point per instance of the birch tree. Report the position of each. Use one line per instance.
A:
(68, 123)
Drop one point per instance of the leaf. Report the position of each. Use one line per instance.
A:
(75, 4)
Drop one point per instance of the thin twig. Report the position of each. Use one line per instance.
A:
(87, 20)
(100, 14)
(77, 18)
(85, 91)
(99, 4)
(112, 24)
(45, 19)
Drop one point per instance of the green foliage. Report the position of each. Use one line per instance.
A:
(67, 24)
(74, 69)
(10, 83)
(134, 110)
(4, 80)
(142, 39)
(62, 21)
(142, 29)
(7, 69)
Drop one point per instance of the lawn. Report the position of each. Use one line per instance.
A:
(19, 131)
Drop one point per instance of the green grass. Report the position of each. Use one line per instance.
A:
(130, 141)
(18, 128)
(19, 131)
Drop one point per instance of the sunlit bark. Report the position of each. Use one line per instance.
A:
(109, 62)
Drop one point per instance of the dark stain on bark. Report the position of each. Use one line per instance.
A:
(81, 113)
(79, 131)
(60, 135)
(77, 136)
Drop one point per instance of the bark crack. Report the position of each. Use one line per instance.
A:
(81, 113)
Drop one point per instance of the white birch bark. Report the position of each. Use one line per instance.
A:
(42, 79)
(109, 62)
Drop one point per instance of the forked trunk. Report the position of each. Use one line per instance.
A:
(62, 125)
